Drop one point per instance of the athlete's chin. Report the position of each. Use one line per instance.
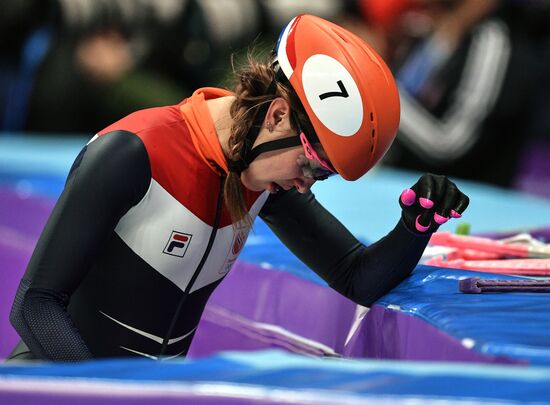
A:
(263, 185)
(253, 186)
(273, 187)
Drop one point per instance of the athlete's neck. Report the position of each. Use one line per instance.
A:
(219, 111)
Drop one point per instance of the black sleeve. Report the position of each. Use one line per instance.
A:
(362, 274)
(109, 176)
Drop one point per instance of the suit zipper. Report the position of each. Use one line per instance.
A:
(198, 269)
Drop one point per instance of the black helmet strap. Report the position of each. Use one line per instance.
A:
(238, 166)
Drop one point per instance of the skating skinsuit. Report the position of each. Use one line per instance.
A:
(140, 238)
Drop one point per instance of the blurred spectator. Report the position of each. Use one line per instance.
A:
(78, 65)
(469, 73)
(65, 65)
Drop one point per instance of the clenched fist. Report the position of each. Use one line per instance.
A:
(432, 201)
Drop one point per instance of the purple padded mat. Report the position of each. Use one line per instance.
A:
(22, 220)
(388, 334)
(256, 308)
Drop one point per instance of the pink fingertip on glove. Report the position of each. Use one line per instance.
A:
(408, 196)
(455, 214)
(440, 219)
(419, 227)
(425, 202)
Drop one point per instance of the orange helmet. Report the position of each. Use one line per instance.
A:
(347, 91)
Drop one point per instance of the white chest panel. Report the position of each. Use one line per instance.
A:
(172, 240)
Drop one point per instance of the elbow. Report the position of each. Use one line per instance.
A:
(359, 294)
(367, 298)
(17, 318)
(366, 292)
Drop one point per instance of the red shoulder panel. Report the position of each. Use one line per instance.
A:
(175, 163)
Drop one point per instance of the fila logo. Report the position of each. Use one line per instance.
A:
(177, 244)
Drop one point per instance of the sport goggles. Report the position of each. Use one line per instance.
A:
(314, 167)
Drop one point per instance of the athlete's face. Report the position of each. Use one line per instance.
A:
(276, 170)
(282, 168)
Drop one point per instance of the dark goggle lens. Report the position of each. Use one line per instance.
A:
(322, 174)
(316, 173)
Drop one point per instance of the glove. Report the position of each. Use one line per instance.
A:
(431, 202)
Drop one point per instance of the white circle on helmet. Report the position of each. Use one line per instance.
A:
(332, 94)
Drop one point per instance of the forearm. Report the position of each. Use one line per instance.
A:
(380, 267)
(383, 265)
(362, 274)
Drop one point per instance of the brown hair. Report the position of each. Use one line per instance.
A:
(252, 82)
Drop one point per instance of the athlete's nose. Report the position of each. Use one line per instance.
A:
(303, 184)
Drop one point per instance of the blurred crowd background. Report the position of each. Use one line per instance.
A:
(473, 75)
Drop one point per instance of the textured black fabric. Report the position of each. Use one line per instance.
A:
(315, 236)
(40, 317)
